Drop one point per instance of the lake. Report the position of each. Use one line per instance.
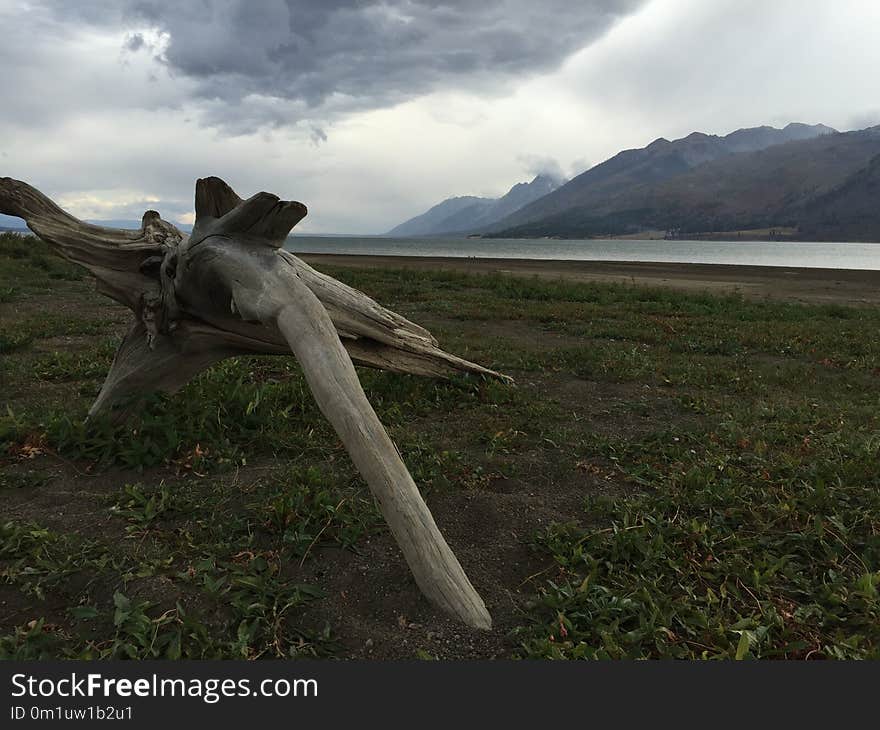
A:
(751, 253)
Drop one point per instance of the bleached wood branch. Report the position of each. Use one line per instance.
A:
(230, 289)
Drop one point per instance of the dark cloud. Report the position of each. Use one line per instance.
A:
(328, 56)
(134, 42)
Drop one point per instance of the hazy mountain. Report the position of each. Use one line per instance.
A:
(759, 138)
(468, 213)
(598, 188)
(426, 223)
(849, 212)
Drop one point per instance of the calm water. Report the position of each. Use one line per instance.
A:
(754, 253)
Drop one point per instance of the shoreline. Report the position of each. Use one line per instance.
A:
(844, 286)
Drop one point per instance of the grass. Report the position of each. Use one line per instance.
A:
(733, 553)
(676, 475)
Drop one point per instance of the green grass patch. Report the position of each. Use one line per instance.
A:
(28, 265)
(747, 544)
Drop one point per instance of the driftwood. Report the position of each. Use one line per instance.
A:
(231, 289)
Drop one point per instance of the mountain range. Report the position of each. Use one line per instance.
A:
(812, 181)
(610, 186)
(808, 178)
(467, 212)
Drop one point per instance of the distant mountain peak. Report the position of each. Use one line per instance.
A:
(543, 177)
(798, 129)
(465, 214)
(820, 128)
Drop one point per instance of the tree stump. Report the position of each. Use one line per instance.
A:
(231, 289)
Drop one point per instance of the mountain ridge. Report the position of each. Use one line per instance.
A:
(463, 213)
(658, 161)
(781, 185)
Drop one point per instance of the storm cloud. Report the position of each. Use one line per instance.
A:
(329, 57)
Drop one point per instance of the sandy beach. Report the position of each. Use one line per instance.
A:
(849, 286)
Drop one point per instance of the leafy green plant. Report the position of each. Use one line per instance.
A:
(723, 558)
(309, 511)
(143, 506)
(36, 559)
(171, 634)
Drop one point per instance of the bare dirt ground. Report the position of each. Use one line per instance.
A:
(845, 286)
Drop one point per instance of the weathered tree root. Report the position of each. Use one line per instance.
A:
(230, 289)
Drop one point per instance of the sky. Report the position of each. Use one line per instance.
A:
(371, 112)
